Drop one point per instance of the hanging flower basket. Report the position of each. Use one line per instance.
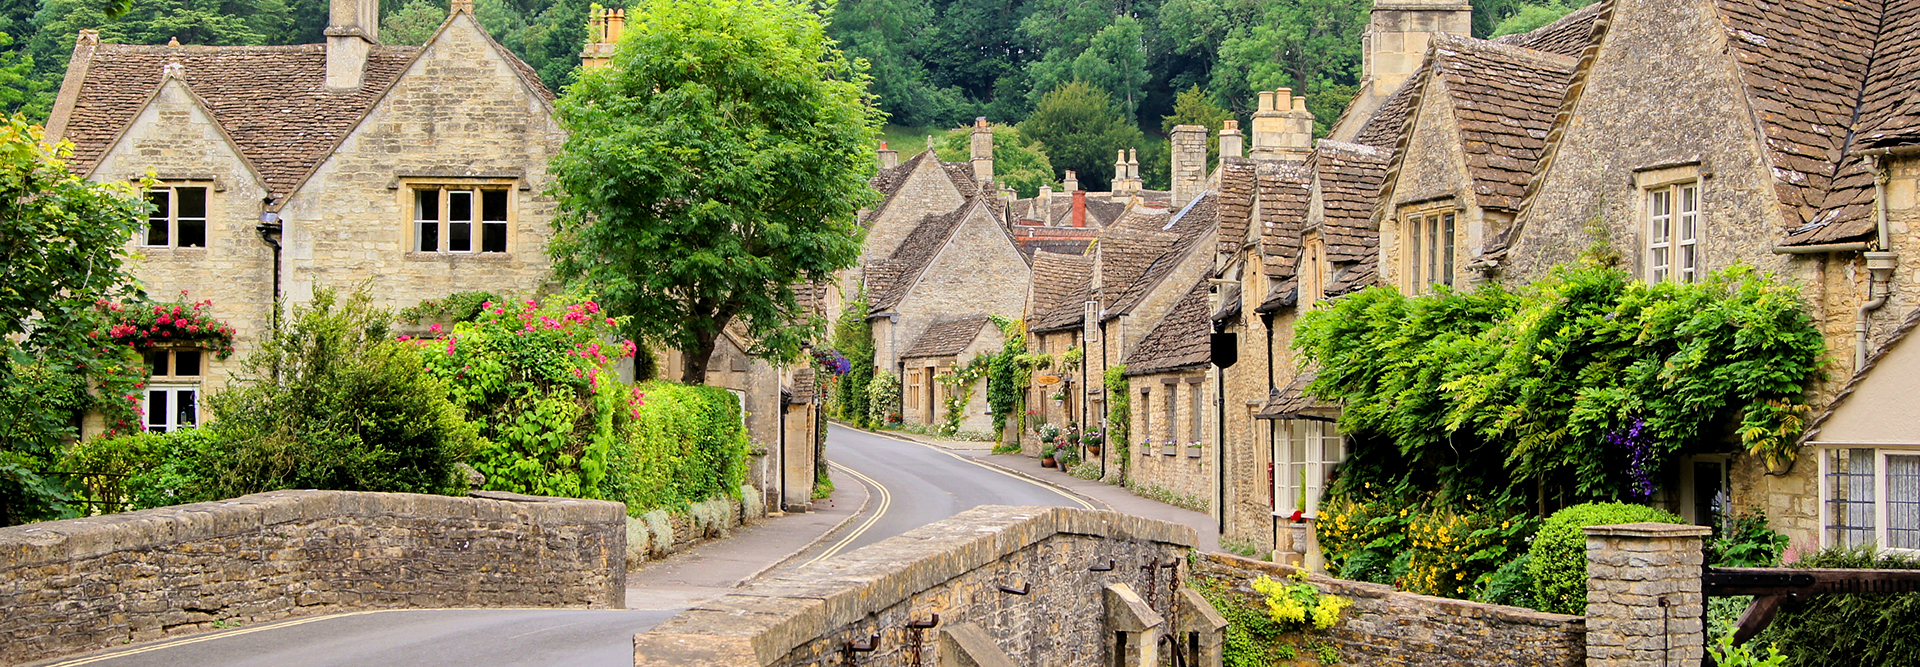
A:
(148, 325)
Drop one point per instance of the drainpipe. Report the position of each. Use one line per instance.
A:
(269, 230)
(1880, 267)
(1106, 429)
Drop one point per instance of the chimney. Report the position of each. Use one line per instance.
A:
(982, 151)
(353, 29)
(1043, 204)
(1282, 128)
(1189, 166)
(1231, 140)
(1072, 183)
(888, 157)
(1133, 167)
(1395, 43)
(1079, 208)
(603, 36)
(1119, 171)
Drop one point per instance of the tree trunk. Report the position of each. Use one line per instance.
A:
(694, 362)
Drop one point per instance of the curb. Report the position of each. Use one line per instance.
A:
(996, 466)
(865, 502)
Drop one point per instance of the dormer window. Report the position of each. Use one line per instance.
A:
(1428, 250)
(178, 218)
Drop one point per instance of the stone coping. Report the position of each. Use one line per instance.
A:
(72, 539)
(1648, 529)
(766, 621)
(1361, 589)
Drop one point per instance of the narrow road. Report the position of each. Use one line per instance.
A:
(910, 485)
(913, 485)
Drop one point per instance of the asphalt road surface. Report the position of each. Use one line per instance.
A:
(910, 485)
(422, 637)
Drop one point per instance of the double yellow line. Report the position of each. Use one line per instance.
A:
(886, 500)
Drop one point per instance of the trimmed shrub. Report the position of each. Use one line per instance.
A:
(145, 470)
(1849, 630)
(1559, 553)
(685, 445)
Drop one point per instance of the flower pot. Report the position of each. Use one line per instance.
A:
(1048, 462)
(1093, 449)
(1170, 450)
(1193, 452)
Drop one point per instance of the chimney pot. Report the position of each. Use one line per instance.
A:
(352, 31)
(1266, 100)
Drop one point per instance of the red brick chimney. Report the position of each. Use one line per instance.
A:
(1079, 208)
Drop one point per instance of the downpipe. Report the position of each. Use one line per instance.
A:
(1880, 267)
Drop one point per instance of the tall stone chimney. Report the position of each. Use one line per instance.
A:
(1232, 143)
(1282, 128)
(603, 36)
(1133, 167)
(1072, 182)
(1189, 163)
(982, 151)
(353, 29)
(1394, 45)
(1120, 171)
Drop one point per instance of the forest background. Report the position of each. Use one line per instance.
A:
(936, 64)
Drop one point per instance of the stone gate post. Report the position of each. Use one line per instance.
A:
(1644, 605)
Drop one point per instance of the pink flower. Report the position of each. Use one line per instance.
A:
(435, 328)
(404, 339)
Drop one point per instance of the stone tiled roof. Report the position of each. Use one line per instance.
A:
(1349, 176)
(272, 100)
(1906, 328)
(1804, 64)
(1359, 276)
(1568, 36)
(945, 339)
(1285, 194)
(1894, 117)
(889, 181)
(1384, 129)
(1284, 295)
(1293, 402)
(1060, 287)
(914, 254)
(1188, 226)
(1179, 341)
(1504, 99)
(1236, 202)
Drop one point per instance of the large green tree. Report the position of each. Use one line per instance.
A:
(718, 161)
(1018, 162)
(1080, 130)
(62, 247)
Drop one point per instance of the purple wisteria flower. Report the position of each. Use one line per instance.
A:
(1639, 454)
(832, 361)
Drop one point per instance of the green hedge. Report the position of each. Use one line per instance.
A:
(1558, 557)
(1850, 630)
(686, 445)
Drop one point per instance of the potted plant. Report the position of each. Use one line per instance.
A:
(1046, 456)
(1193, 450)
(1093, 440)
(1049, 434)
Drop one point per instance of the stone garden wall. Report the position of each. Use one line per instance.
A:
(1390, 627)
(85, 584)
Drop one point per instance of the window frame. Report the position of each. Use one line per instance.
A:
(173, 385)
(1880, 510)
(1683, 188)
(172, 214)
(481, 227)
(1429, 256)
(1314, 437)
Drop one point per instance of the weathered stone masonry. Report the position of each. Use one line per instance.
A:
(85, 584)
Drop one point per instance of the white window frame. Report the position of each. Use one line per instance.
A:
(1671, 247)
(477, 220)
(173, 386)
(1314, 437)
(1880, 514)
(171, 216)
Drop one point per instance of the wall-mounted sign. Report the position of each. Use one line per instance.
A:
(1048, 379)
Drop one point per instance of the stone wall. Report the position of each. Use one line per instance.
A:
(1389, 627)
(1177, 468)
(958, 569)
(84, 584)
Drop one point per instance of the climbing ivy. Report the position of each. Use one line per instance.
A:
(853, 337)
(960, 383)
(1587, 382)
(1006, 378)
(1119, 415)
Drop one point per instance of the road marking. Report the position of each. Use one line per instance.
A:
(204, 638)
(942, 450)
(886, 500)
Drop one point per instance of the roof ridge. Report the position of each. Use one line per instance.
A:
(1513, 50)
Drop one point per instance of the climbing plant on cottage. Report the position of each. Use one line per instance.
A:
(1586, 383)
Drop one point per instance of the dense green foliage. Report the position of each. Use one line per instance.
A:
(455, 307)
(1531, 16)
(62, 247)
(853, 337)
(1018, 162)
(413, 23)
(1456, 550)
(1744, 540)
(883, 400)
(1849, 630)
(147, 469)
(1080, 130)
(1119, 416)
(687, 444)
(331, 401)
(714, 165)
(1007, 379)
(537, 380)
(1583, 384)
(1558, 557)
(1254, 637)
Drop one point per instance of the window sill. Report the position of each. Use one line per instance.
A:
(1310, 518)
(461, 257)
(186, 251)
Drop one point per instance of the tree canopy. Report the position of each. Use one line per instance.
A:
(718, 161)
(1018, 162)
(1080, 129)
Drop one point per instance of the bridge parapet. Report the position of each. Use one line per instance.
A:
(1032, 580)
